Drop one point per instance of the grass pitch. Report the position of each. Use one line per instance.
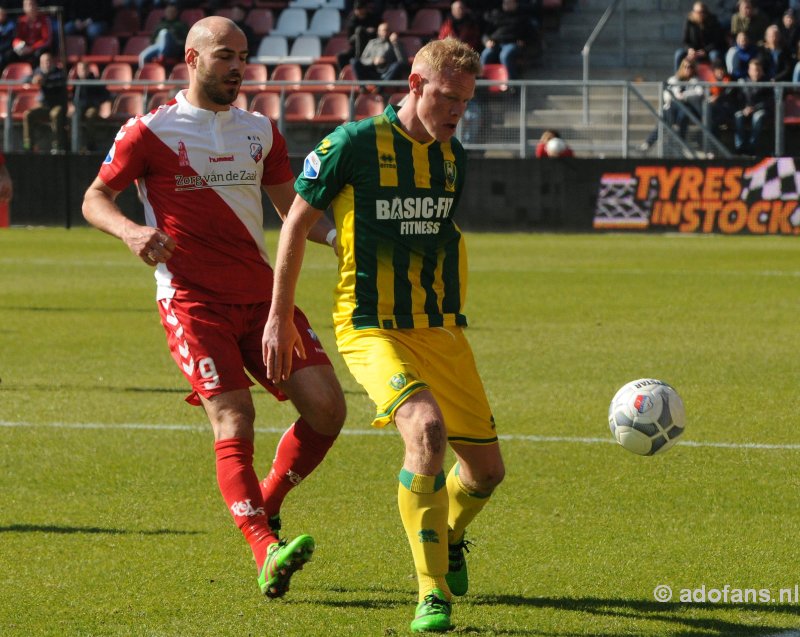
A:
(111, 523)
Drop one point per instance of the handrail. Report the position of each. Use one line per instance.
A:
(587, 49)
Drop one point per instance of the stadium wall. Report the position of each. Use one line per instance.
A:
(724, 196)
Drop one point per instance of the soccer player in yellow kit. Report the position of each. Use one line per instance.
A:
(394, 182)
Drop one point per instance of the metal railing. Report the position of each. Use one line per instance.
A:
(507, 118)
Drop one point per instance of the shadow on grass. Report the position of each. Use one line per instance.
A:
(90, 530)
(644, 610)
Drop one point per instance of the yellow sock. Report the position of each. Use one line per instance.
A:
(464, 505)
(423, 508)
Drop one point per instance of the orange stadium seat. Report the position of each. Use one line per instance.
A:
(268, 104)
(368, 105)
(299, 107)
(334, 108)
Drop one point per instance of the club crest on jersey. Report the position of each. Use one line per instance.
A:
(398, 381)
(311, 166)
(183, 155)
(449, 175)
(256, 151)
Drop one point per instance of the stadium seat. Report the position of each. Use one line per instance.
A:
(397, 20)
(125, 23)
(117, 76)
(791, 109)
(367, 105)
(306, 4)
(320, 72)
(411, 44)
(15, 71)
(150, 72)
(271, 50)
(191, 15)
(103, 50)
(334, 108)
(495, 72)
(153, 18)
(291, 23)
(299, 107)
(325, 22)
(260, 20)
(224, 12)
(396, 98)
(23, 102)
(426, 23)
(157, 99)
(347, 75)
(268, 104)
(133, 47)
(334, 4)
(255, 73)
(240, 101)
(305, 50)
(333, 46)
(179, 75)
(126, 105)
(286, 73)
(74, 48)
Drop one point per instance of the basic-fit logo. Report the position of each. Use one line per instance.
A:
(398, 381)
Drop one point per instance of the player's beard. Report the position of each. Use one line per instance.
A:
(216, 90)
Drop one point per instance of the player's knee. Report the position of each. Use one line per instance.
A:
(431, 437)
(329, 413)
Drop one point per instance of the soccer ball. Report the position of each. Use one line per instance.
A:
(646, 416)
(555, 147)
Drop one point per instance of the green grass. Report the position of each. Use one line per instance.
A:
(107, 529)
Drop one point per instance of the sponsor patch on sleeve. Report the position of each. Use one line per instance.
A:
(311, 166)
(110, 157)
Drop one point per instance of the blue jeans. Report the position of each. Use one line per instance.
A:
(165, 46)
(742, 140)
(713, 55)
(505, 54)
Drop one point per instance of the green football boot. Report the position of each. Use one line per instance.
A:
(433, 614)
(457, 578)
(283, 560)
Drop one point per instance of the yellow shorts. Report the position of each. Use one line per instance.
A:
(395, 364)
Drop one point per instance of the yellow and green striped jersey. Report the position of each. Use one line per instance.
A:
(402, 260)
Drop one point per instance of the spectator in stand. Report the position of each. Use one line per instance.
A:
(33, 35)
(739, 55)
(87, 100)
(360, 26)
(723, 100)
(239, 15)
(462, 25)
(6, 185)
(757, 104)
(552, 145)
(382, 59)
(790, 31)
(169, 37)
(52, 105)
(682, 95)
(703, 37)
(509, 30)
(7, 29)
(89, 18)
(777, 58)
(750, 20)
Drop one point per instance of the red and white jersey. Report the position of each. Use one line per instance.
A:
(199, 175)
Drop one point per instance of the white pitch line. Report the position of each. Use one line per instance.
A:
(390, 432)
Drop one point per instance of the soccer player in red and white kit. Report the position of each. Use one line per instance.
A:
(200, 165)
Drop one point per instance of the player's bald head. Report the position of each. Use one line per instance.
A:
(210, 31)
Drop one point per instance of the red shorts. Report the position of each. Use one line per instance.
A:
(214, 343)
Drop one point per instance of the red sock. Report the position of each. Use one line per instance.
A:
(238, 484)
(300, 450)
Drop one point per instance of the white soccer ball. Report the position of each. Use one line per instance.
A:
(555, 147)
(646, 416)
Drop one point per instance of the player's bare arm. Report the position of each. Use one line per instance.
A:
(282, 197)
(151, 245)
(280, 335)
